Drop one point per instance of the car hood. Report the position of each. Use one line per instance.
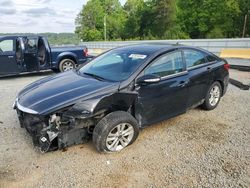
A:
(53, 93)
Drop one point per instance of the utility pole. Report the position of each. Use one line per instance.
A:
(105, 27)
(245, 25)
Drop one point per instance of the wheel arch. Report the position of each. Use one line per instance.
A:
(101, 106)
(222, 85)
(66, 55)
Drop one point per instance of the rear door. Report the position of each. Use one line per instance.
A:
(31, 56)
(44, 54)
(20, 49)
(8, 63)
(200, 75)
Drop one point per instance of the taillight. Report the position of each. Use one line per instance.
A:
(85, 52)
(226, 66)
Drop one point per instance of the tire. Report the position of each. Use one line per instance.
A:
(212, 99)
(66, 65)
(108, 128)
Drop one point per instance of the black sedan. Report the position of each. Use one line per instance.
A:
(113, 96)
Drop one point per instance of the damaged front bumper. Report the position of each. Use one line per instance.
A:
(55, 131)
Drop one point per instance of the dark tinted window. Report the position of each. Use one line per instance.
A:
(211, 58)
(194, 58)
(166, 65)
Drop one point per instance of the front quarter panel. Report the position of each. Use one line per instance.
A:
(102, 104)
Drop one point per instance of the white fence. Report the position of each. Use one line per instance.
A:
(212, 45)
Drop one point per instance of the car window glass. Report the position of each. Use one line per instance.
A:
(166, 65)
(211, 58)
(194, 58)
(6, 46)
(110, 60)
(115, 65)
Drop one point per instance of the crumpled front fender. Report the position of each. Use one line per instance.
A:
(105, 103)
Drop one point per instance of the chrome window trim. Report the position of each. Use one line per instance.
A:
(201, 65)
(24, 109)
(174, 75)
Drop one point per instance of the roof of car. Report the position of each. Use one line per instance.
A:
(15, 36)
(147, 48)
(8, 36)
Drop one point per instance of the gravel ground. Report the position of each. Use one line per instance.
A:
(197, 149)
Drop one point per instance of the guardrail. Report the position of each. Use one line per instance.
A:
(212, 45)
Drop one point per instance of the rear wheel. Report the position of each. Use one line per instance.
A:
(115, 131)
(213, 96)
(66, 65)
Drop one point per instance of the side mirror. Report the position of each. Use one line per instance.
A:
(148, 79)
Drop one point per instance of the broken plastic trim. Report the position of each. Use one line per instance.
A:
(240, 67)
(239, 84)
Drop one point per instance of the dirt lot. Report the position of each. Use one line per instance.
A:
(197, 149)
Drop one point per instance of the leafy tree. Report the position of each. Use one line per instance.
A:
(132, 26)
(162, 19)
(90, 21)
(208, 18)
(239, 21)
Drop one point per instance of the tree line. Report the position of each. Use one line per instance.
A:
(162, 19)
(53, 38)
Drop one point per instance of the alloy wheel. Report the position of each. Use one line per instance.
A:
(119, 137)
(214, 95)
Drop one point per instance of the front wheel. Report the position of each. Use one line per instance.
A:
(213, 96)
(66, 65)
(115, 131)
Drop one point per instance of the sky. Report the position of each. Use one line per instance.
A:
(38, 16)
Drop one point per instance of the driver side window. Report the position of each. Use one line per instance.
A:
(166, 65)
(7, 46)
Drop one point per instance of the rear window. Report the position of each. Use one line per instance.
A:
(194, 58)
(211, 58)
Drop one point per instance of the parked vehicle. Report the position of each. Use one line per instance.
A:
(117, 93)
(19, 54)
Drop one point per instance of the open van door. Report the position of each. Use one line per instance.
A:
(8, 63)
(31, 54)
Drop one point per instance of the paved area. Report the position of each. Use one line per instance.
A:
(197, 149)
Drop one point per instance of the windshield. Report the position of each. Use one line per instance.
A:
(115, 65)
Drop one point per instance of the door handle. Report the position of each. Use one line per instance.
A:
(209, 69)
(182, 83)
(11, 56)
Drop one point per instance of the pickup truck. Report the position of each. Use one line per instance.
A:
(24, 54)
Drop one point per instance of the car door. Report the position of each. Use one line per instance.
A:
(44, 54)
(20, 49)
(31, 56)
(166, 98)
(199, 73)
(8, 63)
